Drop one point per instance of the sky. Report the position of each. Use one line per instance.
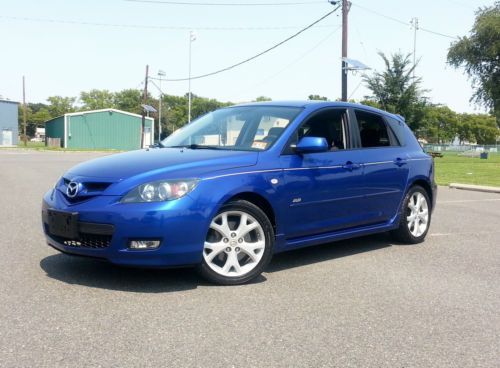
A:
(65, 47)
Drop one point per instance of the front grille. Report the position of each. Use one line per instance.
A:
(89, 190)
(86, 241)
(90, 235)
(77, 199)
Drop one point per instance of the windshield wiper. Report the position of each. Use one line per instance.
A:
(197, 146)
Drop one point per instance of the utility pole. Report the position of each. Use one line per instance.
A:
(345, 15)
(414, 24)
(144, 101)
(25, 108)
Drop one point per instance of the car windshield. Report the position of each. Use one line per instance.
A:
(245, 128)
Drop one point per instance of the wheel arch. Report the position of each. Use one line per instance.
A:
(260, 202)
(424, 184)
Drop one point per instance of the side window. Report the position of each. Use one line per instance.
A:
(372, 130)
(330, 124)
(398, 127)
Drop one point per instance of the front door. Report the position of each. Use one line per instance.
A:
(323, 191)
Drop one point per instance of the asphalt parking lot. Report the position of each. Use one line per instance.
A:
(360, 303)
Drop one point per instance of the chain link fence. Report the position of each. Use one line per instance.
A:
(466, 149)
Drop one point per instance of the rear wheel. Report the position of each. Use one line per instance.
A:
(238, 244)
(415, 217)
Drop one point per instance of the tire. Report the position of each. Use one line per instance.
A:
(415, 217)
(235, 252)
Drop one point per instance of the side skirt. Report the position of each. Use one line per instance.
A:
(296, 243)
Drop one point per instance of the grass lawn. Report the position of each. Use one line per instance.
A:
(452, 168)
(40, 145)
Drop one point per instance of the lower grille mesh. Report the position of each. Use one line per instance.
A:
(86, 241)
(100, 237)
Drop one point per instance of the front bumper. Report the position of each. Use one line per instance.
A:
(107, 226)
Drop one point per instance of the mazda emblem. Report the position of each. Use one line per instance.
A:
(72, 189)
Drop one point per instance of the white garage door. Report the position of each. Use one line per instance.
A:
(6, 138)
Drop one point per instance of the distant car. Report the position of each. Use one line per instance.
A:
(36, 139)
(270, 177)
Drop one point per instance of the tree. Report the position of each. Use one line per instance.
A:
(202, 105)
(96, 99)
(128, 100)
(483, 127)
(479, 54)
(60, 105)
(371, 103)
(465, 132)
(396, 91)
(317, 98)
(40, 117)
(262, 99)
(439, 124)
(36, 116)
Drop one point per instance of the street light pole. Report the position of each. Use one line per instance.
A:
(161, 74)
(25, 110)
(414, 25)
(192, 37)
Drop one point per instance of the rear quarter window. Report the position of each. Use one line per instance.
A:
(398, 128)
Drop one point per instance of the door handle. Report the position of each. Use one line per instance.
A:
(349, 165)
(400, 162)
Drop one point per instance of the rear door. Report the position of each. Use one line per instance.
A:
(385, 167)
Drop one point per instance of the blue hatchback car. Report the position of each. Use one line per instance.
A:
(239, 184)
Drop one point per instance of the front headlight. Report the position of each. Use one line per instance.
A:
(159, 191)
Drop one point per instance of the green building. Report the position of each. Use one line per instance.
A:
(101, 129)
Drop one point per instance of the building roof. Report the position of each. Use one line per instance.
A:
(9, 101)
(100, 110)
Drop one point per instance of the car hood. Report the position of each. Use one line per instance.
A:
(190, 162)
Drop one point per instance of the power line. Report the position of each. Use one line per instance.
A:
(355, 89)
(143, 26)
(437, 33)
(259, 54)
(402, 22)
(226, 4)
(305, 54)
(381, 15)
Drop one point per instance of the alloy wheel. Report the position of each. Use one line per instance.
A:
(235, 244)
(417, 214)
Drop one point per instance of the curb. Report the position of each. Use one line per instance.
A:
(477, 188)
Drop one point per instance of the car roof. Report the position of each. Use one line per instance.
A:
(315, 105)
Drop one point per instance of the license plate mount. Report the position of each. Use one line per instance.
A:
(63, 224)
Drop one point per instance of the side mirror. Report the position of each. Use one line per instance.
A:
(311, 145)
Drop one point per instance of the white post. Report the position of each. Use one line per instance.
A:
(161, 74)
(159, 114)
(192, 37)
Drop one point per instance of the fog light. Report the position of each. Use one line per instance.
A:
(144, 244)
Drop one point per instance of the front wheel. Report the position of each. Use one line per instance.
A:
(238, 245)
(415, 217)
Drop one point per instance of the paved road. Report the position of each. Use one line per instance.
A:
(359, 303)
